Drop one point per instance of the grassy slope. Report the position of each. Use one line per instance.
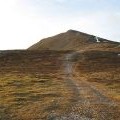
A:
(74, 40)
(101, 68)
(31, 83)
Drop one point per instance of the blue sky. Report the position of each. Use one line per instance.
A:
(24, 22)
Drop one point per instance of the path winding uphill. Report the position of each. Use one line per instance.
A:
(43, 85)
(89, 103)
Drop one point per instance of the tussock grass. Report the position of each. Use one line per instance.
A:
(103, 68)
(32, 85)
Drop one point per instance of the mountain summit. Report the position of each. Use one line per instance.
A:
(74, 40)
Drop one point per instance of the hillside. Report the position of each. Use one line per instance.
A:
(31, 85)
(50, 85)
(71, 76)
(75, 40)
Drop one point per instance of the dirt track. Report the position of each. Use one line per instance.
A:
(89, 103)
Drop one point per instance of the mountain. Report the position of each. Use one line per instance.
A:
(74, 40)
(42, 83)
